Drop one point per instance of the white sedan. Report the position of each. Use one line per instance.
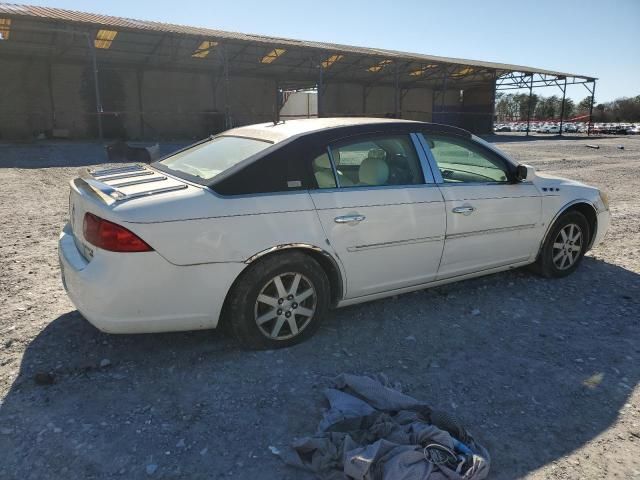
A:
(265, 227)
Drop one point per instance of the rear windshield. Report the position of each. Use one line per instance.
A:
(208, 159)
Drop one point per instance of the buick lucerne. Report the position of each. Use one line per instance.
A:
(264, 228)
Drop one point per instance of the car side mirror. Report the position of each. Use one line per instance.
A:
(521, 173)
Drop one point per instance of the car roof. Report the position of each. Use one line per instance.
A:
(278, 132)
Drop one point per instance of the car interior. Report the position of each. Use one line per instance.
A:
(460, 162)
(386, 161)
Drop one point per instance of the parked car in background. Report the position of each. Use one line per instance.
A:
(265, 227)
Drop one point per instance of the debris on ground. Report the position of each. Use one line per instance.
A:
(373, 431)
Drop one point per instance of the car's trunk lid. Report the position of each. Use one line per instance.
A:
(98, 191)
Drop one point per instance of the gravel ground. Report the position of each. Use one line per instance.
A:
(544, 373)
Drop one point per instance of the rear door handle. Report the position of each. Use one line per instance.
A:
(349, 219)
(465, 210)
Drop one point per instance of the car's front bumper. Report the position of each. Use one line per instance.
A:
(603, 220)
(143, 292)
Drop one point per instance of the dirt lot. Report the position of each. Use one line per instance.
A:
(545, 373)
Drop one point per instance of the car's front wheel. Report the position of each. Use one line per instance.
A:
(278, 301)
(565, 245)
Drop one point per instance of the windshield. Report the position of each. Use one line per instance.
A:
(213, 157)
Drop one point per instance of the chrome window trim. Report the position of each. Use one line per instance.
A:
(372, 187)
(470, 184)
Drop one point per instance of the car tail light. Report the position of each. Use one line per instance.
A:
(110, 236)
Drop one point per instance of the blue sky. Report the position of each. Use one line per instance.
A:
(598, 38)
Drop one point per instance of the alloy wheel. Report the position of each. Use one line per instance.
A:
(567, 246)
(285, 306)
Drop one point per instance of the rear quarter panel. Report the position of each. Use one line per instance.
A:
(206, 228)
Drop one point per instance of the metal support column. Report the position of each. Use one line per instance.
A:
(529, 105)
(593, 95)
(564, 93)
(276, 103)
(139, 80)
(396, 91)
(444, 94)
(96, 85)
(320, 91)
(493, 102)
(364, 100)
(52, 103)
(225, 70)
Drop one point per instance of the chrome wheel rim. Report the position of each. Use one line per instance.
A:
(285, 306)
(567, 246)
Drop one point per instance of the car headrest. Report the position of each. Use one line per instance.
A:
(377, 153)
(373, 171)
(325, 179)
(323, 161)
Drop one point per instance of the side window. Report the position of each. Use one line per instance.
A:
(462, 161)
(376, 161)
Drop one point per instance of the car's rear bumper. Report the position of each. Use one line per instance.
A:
(143, 292)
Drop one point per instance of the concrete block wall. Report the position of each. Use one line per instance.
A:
(342, 99)
(24, 104)
(251, 100)
(417, 104)
(37, 97)
(349, 99)
(175, 104)
(166, 104)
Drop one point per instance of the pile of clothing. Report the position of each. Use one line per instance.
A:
(372, 431)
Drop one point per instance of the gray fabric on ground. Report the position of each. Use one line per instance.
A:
(372, 431)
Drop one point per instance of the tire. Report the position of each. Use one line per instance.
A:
(264, 313)
(564, 247)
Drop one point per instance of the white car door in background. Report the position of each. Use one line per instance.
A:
(492, 221)
(385, 223)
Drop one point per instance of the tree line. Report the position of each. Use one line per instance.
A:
(514, 107)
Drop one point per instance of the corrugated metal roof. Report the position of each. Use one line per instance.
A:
(47, 13)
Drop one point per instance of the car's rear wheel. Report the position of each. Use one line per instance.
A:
(278, 302)
(565, 246)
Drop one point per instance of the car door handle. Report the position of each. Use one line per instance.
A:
(466, 210)
(349, 219)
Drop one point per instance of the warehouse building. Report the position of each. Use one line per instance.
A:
(79, 75)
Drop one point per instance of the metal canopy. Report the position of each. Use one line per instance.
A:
(62, 34)
(69, 37)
